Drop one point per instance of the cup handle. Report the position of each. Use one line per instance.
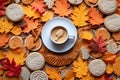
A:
(71, 37)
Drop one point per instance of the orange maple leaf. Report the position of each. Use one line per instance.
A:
(39, 6)
(4, 39)
(62, 8)
(95, 17)
(31, 24)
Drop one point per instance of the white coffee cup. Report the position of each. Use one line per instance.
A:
(59, 35)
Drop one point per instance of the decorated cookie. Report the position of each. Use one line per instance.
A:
(14, 12)
(35, 61)
(112, 23)
(38, 75)
(97, 67)
(15, 42)
(31, 44)
(75, 2)
(107, 6)
(25, 73)
(27, 1)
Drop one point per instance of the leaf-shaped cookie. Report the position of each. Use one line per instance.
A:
(49, 3)
(19, 57)
(4, 39)
(39, 6)
(16, 30)
(30, 13)
(62, 8)
(53, 73)
(5, 25)
(47, 16)
(80, 67)
(31, 25)
(95, 17)
(79, 15)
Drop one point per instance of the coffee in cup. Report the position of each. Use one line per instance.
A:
(59, 35)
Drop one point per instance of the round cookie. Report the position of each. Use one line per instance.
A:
(97, 67)
(107, 6)
(25, 73)
(35, 61)
(112, 23)
(14, 12)
(38, 75)
(75, 2)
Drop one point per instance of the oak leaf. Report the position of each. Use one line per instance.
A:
(62, 8)
(70, 75)
(19, 57)
(87, 35)
(95, 17)
(79, 15)
(12, 69)
(39, 6)
(30, 13)
(5, 25)
(31, 24)
(80, 67)
(4, 38)
(16, 30)
(47, 16)
(53, 73)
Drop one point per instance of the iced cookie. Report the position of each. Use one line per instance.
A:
(25, 73)
(15, 42)
(14, 12)
(97, 67)
(32, 45)
(27, 1)
(35, 61)
(75, 2)
(112, 23)
(107, 6)
(38, 75)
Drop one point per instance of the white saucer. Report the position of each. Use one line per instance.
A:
(59, 21)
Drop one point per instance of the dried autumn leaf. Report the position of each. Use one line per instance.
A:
(19, 57)
(2, 55)
(98, 45)
(4, 38)
(70, 75)
(95, 17)
(80, 67)
(12, 69)
(39, 6)
(30, 13)
(87, 35)
(79, 15)
(5, 25)
(109, 57)
(1, 71)
(47, 16)
(118, 3)
(62, 8)
(53, 74)
(31, 25)
(16, 30)
(109, 69)
(87, 77)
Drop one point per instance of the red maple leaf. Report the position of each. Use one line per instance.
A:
(11, 68)
(98, 45)
(39, 6)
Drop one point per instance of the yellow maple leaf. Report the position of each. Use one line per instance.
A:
(30, 13)
(87, 77)
(47, 16)
(80, 67)
(19, 57)
(16, 30)
(2, 55)
(79, 15)
(5, 25)
(53, 73)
